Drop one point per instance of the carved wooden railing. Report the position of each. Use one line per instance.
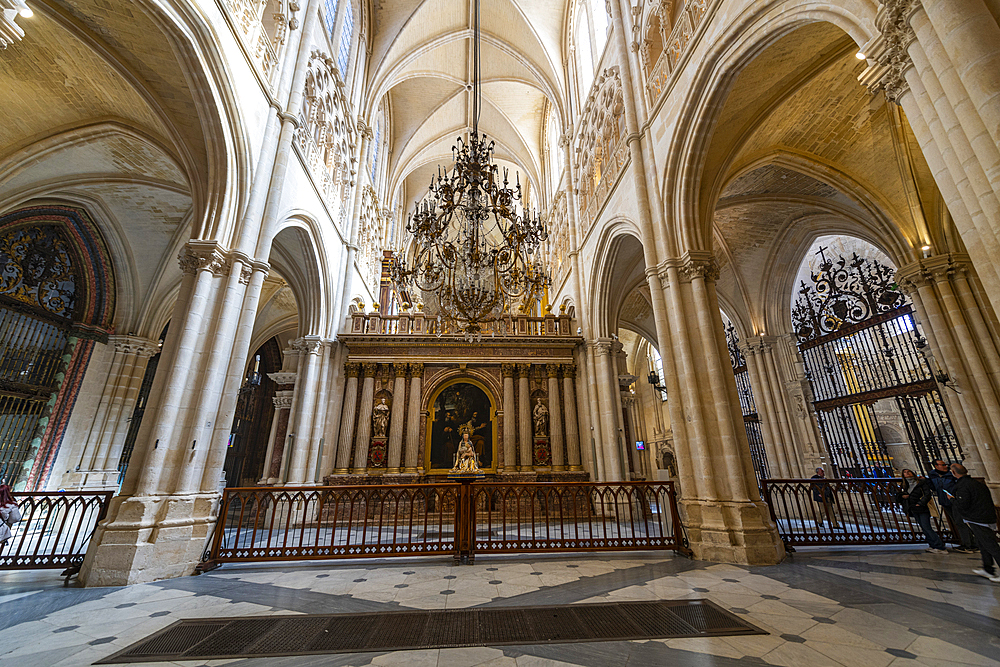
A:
(54, 530)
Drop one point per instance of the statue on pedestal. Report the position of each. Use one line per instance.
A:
(540, 416)
(380, 419)
(465, 458)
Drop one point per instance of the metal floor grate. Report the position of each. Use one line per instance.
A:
(256, 637)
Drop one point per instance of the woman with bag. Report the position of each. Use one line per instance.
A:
(9, 513)
(915, 497)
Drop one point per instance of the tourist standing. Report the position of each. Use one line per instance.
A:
(915, 497)
(941, 478)
(975, 504)
(822, 493)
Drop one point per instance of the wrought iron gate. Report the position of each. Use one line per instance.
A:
(751, 420)
(862, 354)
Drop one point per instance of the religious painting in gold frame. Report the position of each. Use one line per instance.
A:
(457, 405)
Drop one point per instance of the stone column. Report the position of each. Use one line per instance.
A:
(509, 422)
(306, 388)
(772, 406)
(572, 426)
(276, 440)
(555, 418)
(95, 464)
(971, 38)
(725, 519)
(413, 420)
(352, 369)
(752, 347)
(593, 443)
(965, 349)
(609, 403)
(362, 441)
(398, 412)
(632, 429)
(525, 439)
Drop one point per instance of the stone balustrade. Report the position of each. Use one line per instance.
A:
(418, 324)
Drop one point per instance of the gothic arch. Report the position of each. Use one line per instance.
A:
(688, 198)
(619, 269)
(297, 255)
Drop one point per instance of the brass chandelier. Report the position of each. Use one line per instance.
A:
(472, 250)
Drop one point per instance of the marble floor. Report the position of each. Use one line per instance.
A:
(865, 608)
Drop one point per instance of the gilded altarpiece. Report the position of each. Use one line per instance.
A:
(443, 386)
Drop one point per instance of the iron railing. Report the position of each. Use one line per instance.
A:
(812, 512)
(538, 517)
(377, 521)
(54, 530)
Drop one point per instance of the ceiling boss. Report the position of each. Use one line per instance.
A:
(474, 250)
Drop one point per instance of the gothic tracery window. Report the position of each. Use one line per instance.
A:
(326, 135)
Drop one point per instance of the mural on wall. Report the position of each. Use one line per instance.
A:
(460, 406)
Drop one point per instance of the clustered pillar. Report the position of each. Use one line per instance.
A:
(950, 303)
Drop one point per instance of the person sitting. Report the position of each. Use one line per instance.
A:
(915, 496)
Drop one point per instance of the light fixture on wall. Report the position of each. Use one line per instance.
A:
(10, 31)
(473, 252)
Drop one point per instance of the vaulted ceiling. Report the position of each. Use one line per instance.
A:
(422, 63)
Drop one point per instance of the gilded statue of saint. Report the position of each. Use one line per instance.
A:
(465, 459)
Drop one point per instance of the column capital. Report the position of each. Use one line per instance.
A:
(203, 256)
(887, 51)
(282, 402)
(309, 344)
(524, 370)
(601, 345)
(508, 370)
(370, 368)
(552, 370)
(140, 347)
(931, 270)
(699, 264)
(416, 370)
(352, 368)
(569, 370)
(399, 370)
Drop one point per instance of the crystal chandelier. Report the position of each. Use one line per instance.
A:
(473, 251)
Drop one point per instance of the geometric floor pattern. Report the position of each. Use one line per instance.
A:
(839, 608)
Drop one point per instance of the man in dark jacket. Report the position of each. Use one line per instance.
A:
(941, 478)
(975, 504)
(822, 493)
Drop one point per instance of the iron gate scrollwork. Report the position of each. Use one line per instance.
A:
(861, 348)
